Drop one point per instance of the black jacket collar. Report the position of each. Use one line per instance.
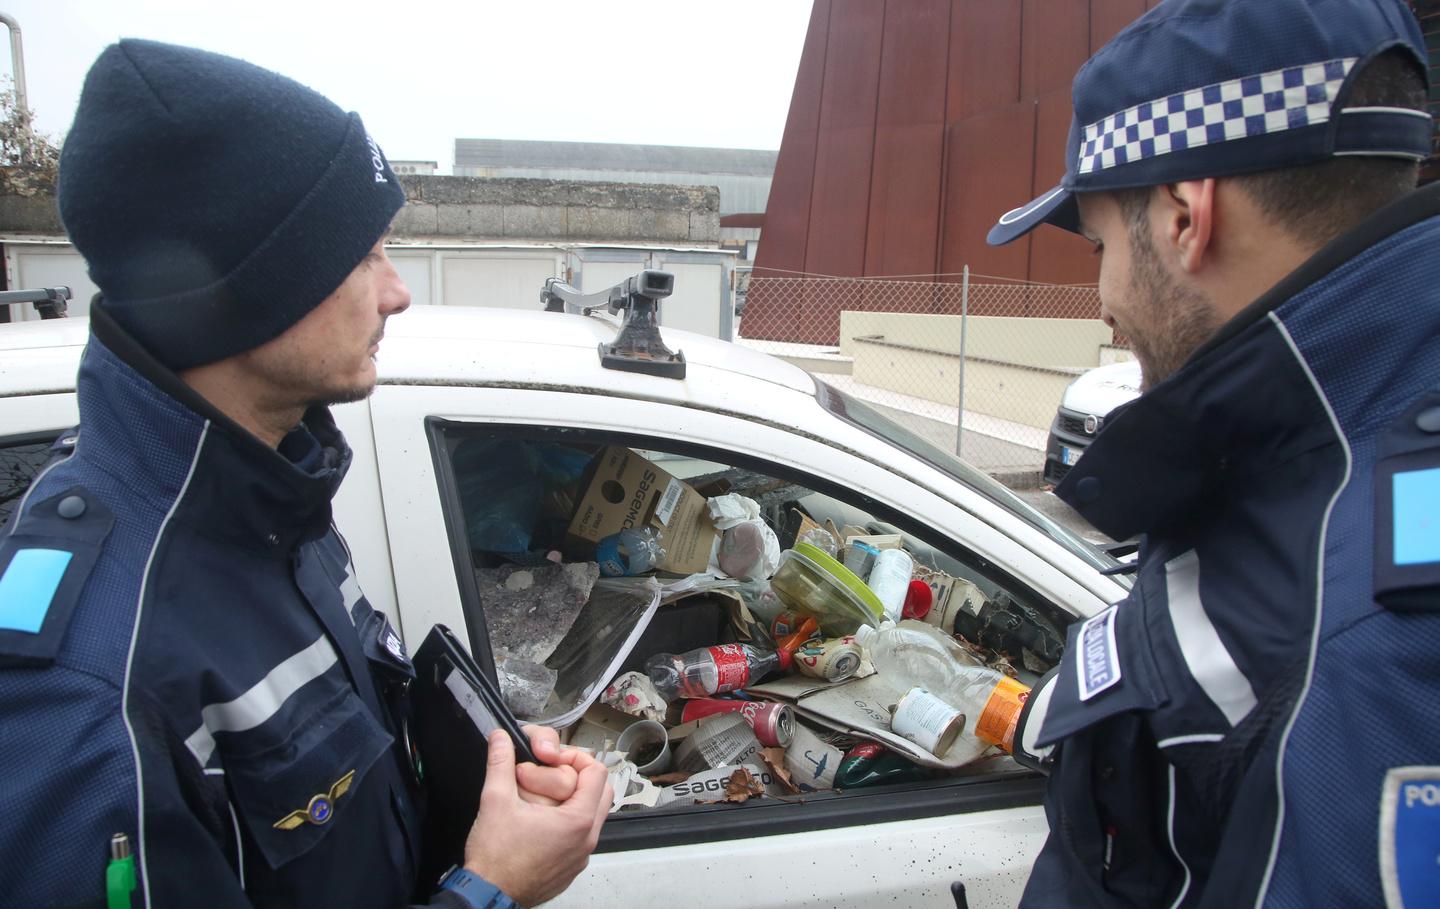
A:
(1169, 456)
(251, 493)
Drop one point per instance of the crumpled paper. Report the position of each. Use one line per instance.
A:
(747, 548)
(635, 694)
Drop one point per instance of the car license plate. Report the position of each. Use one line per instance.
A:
(1069, 455)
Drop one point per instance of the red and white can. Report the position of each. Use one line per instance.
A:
(774, 723)
(833, 660)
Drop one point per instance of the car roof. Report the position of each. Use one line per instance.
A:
(448, 345)
(435, 341)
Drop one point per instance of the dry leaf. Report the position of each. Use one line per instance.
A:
(740, 788)
(670, 779)
(774, 758)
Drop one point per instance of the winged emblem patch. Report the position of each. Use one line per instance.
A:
(320, 808)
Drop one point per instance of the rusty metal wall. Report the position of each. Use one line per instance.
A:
(904, 215)
(913, 125)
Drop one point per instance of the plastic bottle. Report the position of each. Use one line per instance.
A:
(821, 539)
(629, 552)
(712, 670)
(761, 600)
(890, 580)
(916, 655)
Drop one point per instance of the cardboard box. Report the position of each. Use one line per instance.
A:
(629, 491)
(877, 540)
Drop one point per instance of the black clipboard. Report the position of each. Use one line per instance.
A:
(455, 708)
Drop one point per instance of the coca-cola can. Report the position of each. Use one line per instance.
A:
(834, 660)
(774, 723)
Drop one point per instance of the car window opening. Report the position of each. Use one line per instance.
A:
(531, 513)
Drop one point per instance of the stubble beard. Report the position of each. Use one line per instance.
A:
(347, 394)
(1180, 318)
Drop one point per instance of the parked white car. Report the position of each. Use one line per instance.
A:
(1083, 408)
(452, 374)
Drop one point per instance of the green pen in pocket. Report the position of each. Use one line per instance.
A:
(120, 873)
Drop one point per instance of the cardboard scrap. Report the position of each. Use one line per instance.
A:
(858, 707)
(741, 787)
(628, 490)
(877, 540)
(774, 758)
(811, 761)
(710, 786)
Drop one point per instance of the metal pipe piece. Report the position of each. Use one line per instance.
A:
(17, 54)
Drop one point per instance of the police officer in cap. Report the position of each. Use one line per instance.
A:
(193, 665)
(1244, 728)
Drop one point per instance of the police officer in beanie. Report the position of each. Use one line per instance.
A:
(205, 676)
(1255, 724)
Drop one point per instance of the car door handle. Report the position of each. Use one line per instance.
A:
(957, 890)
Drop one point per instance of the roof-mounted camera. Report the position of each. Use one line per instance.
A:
(50, 302)
(638, 346)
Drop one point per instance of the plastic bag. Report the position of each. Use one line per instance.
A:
(635, 694)
(502, 483)
(747, 549)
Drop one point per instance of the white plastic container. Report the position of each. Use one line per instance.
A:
(890, 580)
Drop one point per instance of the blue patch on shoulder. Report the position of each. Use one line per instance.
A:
(28, 587)
(1417, 516)
(1410, 837)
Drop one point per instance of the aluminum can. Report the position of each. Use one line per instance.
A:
(927, 721)
(786, 623)
(774, 723)
(860, 558)
(833, 660)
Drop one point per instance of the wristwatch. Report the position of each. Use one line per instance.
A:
(478, 892)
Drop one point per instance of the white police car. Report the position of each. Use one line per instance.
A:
(452, 374)
(1083, 408)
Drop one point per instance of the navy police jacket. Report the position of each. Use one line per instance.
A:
(1255, 725)
(188, 660)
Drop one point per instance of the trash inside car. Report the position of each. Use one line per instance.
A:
(798, 635)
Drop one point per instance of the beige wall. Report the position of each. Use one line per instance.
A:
(1030, 342)
(1017, 393)
(1016, 368)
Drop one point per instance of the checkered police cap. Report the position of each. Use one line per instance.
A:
(1211, 88)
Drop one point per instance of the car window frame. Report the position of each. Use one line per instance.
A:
(658, 828)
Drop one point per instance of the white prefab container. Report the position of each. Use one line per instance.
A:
(489, 276)
(46, 262)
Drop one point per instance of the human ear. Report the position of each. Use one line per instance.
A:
(1189, 218)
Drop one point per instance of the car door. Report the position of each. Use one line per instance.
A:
(859, 852)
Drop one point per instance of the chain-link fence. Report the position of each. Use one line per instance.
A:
(977, 366)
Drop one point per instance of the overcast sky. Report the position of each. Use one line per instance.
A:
(666, 72)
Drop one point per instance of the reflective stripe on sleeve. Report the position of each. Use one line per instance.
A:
(1206, 656)
(263, 700)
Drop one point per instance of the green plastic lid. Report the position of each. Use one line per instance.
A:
(843, 576)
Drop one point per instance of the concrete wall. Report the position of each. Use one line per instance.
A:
(506, 210)
(30, 215)
(511, 210)
(1012, 339)
(1015, 368)
(1021, 394)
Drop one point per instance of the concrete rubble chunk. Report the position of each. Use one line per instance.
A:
(528, 611)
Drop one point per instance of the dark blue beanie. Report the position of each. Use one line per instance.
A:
(215, 202)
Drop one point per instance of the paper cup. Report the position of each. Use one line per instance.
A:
(644, 736)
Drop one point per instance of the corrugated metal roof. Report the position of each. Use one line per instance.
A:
(613, 156)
